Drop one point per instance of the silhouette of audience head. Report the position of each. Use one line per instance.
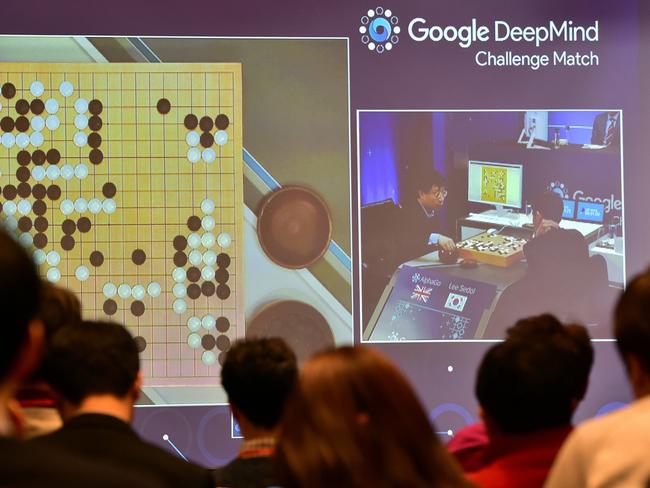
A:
(93, 358)
(632, 332)
(59, 307)
(21, 334)
(258, 375)
(353, 420)
(535, 379)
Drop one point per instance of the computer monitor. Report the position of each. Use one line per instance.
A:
(498, 184)
(569, 211)
(591, 212)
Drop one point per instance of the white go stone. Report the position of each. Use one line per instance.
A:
(26, 239)
(81, 171)
(81, 105)
(11, 223)
(124, 291)
(109, 206)
(82, 273)
(81, 121)
(109, 290)
(52, 122)
(95, 205)
(67, 172)
(209, 155)
(194, 341)
(207, 273)
(80, 205)
(207, 206)
(138, 292)
(80, 139)
(208, 223)
(179, 290)
(195, 257)
(192, 138)
(179, 275)
(22, 140)
(224, 240)
(39, 256)
(194, 155)
(179, 306)
(38, 123)
(53, 275)
(8, 140)
(36, 139)
(67, 207)
(194, 240)
(221, 137)
(38, 173)
(209, 258)
(208, 322)
(154, 289)
(208, 358)
(37, 88)
(53, 258)
(66, 88)
(194, 323)
(52, 172)
(208, 240)
(51, 106)
(24, 207)
(9, 207)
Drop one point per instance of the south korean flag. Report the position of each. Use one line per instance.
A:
(456, 302)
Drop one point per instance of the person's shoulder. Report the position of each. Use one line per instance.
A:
(633, 419)
(33, 465)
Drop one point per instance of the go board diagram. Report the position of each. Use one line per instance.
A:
(494, 185)
(125, 181)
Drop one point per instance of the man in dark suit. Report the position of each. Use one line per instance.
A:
(94, 371)
(258, 375)
(393, 234)
(21, 337)
(606, 130)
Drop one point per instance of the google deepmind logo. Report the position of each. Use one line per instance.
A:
(379, 30)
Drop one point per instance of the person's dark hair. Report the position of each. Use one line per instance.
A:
(20, 294)
(92, 358)
(533, 379)
(550, 205)
(353, 420)
(425, 179)
(59, 307)
(632, 320)
(258, 375)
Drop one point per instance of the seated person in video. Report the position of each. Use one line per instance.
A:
(560, 277)
(393, 234)
(607, 129)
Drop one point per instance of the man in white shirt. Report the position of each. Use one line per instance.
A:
(612, 451)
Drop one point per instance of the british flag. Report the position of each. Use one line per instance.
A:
(421, 293)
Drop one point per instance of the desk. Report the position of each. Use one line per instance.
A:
(476, 223)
